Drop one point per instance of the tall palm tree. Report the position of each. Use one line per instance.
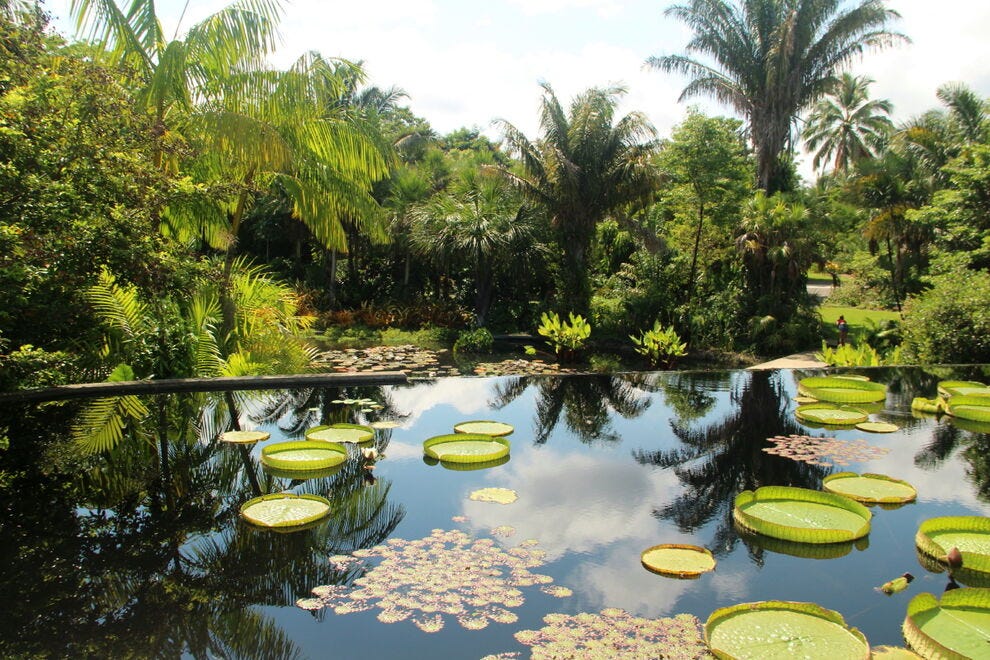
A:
(771, 59)
(585, 167)
(847, 126)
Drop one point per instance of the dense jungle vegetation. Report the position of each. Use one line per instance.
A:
(174, 208)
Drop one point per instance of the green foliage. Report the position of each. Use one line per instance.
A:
(604, 363)
(950, 323)
(567, 337)
(32, 367)
(479, 340)
(661, 346)
(861, 355)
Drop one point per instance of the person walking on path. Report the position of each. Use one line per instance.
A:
(843, 329)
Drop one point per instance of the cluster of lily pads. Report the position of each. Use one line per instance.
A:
(967, 403)
(823, 451)
(841, 401)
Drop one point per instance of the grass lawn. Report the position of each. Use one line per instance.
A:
(857, 318)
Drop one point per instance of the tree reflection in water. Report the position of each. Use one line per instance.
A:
(133, 559)
(585, 402)
(721, 459)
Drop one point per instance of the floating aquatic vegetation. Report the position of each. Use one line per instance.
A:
(302, 456)
(459, 519)
(830, 414)
(310, 604)
(928, 406)
(353, 433)
(676, 560)
(466, 448)
(447, 573)
(614, 634)
(950, 388)
(819, 451)
(870, 488)
(778, 629)
(842, 390)
(893, 653)
(484, 427)
(971, 407)
(557, 591)
(801, 514)
(244, 437)
(384, 424)
(897, 585)
(877, 427)
(285, 511)
(496, 495)
(958, 626)
(968, 535)
(505, 531)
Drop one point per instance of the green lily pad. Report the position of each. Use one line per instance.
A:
(971, 426)
(971, 534)
(244, 437)
(350, 433)
(484, 427)
(285, 510)
(928, 406)
(802, 515)
(680, 561)
(870, 488)
(466, 448)
(957, 627)
(800, 550)
(303, 455)
(830, 414)
(772, 630)
(894, 653)
(971, 407)
(838, 389)
(950, 388)
(496, 495)
(877, 427)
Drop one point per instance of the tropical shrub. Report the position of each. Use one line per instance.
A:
(566, 337)
(862, 355)
(950, 323)
(661, 346)
(479, 340)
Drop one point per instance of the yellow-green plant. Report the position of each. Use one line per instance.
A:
(566, 337)
(661, 346)
(862, 355)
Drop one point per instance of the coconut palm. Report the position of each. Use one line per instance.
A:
(847, 126)
(585, 167)
(771, 59)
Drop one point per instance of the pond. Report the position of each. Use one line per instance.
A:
(135, 556)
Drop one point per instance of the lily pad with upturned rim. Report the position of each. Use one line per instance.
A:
(484, 427)
(466, 448)
(971, 534)
(830, 414)
(801, 514)
(971, 407)
(957, 627)
(303, 455)
(878, 427)
(782, 630)
(870, 488)
(893, 653)
(927, 406)
(347, 433)
(838, 389)
(951, 388)
(285, 510)
(244, 437)
(676, 560)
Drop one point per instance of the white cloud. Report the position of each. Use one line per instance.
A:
(466, 395)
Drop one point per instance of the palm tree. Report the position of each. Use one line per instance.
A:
(771, 59)
(479, 218)
(586, 167)
(847, 126)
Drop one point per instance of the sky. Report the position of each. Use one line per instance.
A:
(465, 63)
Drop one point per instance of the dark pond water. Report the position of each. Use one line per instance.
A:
(134, 556)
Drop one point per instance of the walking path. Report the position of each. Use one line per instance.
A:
(796, 361)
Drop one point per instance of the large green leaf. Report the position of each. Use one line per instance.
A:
(951, 388)
(870, 488)
(676, 560)
(842, 390)
(829, 414)
(972, 407)
(484, 427)
(285, 510)
(466, 448)
(802, 515)
(782, 630)
(970, 534)
(352, 433)
(304, 455)
(956, 628)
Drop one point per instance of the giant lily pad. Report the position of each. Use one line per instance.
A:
(870, 488)
(971, 534)
(837, 389)
(830, 414)
(351, 433)
(680, 561)
(285, 510)
(244, 437)
(877, 427)
(951, 388)
(802, 515)
(956, 628)
(782, 630)
(928, 406)
(971, 407)
(304, 455)
(484, 427)
(466, 448)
